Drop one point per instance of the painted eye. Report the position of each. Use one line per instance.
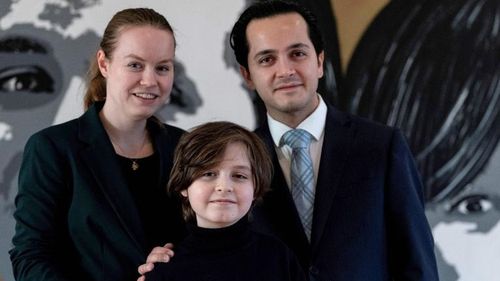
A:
(31, 79)
(473, 204)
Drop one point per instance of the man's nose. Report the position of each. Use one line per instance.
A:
(285, 68)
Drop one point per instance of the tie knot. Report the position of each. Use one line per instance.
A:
(297, 138)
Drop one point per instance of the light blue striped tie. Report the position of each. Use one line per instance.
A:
(302, 175)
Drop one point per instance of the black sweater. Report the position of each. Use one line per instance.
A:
(229, 254)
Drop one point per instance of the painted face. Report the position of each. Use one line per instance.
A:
(283, 66)
(223, 194)
(466, 228)
(140, 73)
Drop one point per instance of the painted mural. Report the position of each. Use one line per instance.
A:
(432, 68)
(429, 67)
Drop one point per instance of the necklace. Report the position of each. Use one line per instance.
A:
(135, 164)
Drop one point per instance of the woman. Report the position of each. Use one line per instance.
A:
(91, 191)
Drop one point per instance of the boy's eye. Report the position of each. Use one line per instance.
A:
(208, 174)
(240, 176)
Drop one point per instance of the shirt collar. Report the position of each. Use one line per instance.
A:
(314, 124)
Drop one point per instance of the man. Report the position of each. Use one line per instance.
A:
(366, 202)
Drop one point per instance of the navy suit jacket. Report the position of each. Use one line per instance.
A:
(369, 221)
(75, 216)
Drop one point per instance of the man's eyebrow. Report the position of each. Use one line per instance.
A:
(264, 52)
(291, 47)
(298, 45)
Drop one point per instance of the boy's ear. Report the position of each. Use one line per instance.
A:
(184, 193)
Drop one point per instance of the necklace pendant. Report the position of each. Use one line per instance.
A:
(135, 165)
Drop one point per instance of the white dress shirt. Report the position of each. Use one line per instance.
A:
(315, 125)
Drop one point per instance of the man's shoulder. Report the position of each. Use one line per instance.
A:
(334, 113)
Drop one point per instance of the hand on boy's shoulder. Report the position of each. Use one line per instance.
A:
(158, 254)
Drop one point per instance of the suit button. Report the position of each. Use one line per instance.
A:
(313, 270)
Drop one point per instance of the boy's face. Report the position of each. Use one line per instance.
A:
(283, 66)
(224, 193)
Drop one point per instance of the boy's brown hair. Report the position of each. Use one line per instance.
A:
(204, 146)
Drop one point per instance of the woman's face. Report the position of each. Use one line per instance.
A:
(466, 228)
(139, 73)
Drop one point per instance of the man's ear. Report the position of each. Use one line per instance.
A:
(321, 59)
(102, 63)
(246, 76)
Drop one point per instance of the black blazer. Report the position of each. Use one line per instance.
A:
(75, 216)
(369, 221)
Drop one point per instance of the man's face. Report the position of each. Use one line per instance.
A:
(283, 66)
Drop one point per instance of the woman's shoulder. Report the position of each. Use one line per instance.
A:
(59, 131)
(173, 130)
(164, 130)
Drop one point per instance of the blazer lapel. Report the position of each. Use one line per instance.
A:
(99, 158)
(338, 135)
(163, 146)
(280, 212)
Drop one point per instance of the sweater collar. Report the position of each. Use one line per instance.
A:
(218, 239)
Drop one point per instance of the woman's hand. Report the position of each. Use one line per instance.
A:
(158, 254)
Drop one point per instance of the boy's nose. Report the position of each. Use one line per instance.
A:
(224, 185)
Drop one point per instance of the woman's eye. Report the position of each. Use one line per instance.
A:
(472, 204)
(163, 68)
(134, 65)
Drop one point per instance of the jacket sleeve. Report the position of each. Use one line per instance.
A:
(411, 246)
(41, 207)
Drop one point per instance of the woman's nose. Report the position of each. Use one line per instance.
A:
(148, 78)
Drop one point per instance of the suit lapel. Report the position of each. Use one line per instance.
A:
(338, 136)
(99, 158)
(279, 208)
(280, 212)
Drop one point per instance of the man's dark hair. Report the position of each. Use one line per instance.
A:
(266, 9)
